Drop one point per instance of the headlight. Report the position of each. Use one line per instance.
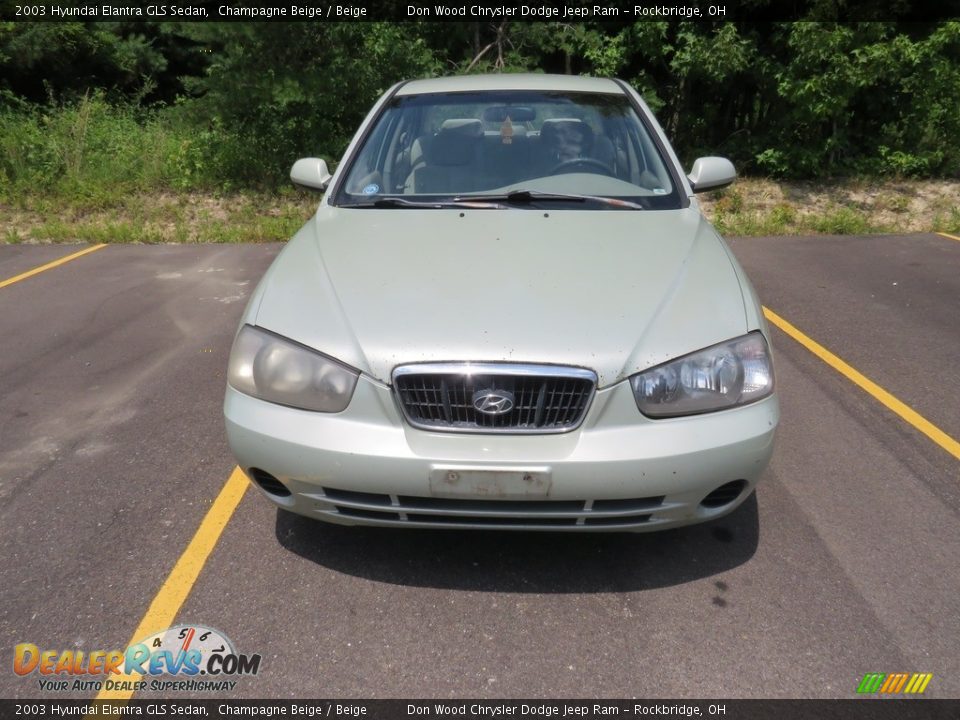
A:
(723, 376)
(280, 371)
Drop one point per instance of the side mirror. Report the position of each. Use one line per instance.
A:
(310, 173)
(711, 173)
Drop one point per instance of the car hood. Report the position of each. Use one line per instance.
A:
(611, 290)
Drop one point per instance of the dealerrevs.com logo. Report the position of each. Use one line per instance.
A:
(199, 658)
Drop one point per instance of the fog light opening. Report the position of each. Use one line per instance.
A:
(268, 482)
(724, 495)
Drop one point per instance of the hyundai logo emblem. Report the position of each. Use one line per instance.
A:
(493, 402)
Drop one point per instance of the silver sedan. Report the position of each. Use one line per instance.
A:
(507, 312)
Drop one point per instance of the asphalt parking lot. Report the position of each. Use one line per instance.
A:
(112, 452)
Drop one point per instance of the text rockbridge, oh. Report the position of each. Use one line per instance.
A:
(559, 710)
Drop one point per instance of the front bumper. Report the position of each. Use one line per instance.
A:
(618, 471)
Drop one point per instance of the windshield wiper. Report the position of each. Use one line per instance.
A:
(515, 197)
(396, 202)
(534, 196)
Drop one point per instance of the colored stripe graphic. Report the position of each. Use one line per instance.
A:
(899, 683)
(894, 683)
(871, 682)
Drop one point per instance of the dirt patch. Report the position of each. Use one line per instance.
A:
(757, 207)
(157, 218)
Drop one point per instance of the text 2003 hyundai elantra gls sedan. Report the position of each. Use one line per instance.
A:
(508, 312)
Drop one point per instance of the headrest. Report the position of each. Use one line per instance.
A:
(464, 127)
(455, 144)
(568, 136)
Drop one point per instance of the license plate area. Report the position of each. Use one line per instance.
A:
(490, 483)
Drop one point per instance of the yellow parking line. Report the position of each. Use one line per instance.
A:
(175, 589)
(900, 408)
(49, 265)
(948, 235)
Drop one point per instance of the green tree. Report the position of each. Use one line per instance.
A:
(63, 61)
(277, 91)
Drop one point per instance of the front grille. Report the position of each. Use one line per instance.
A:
(544, 398)
(451, 512)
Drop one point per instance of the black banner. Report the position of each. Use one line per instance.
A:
(607, 11)
(859, 709)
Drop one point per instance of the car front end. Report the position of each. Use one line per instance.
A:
(579, 356)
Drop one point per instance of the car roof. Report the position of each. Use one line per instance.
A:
(511, 81)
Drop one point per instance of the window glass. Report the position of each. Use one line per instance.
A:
(452, 145)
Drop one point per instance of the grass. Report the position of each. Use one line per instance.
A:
(158, 218)
(756, 207)
(788, 220)
(96, 172)
(749, 208)
(950, 222)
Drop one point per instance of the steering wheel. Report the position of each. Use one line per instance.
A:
(592, 162)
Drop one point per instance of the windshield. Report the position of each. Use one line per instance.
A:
(509, 148)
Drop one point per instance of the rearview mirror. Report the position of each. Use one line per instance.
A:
(516, 113)
(711, 173)
(310, 173)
